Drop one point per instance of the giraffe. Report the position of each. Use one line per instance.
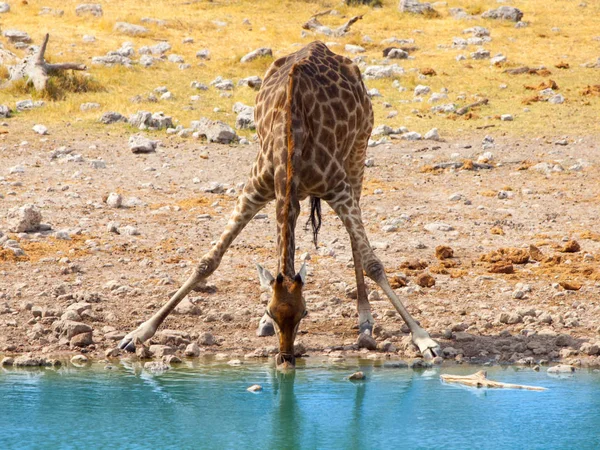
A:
(313, 120)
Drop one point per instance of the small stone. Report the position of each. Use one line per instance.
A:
(432, 135)
(114, 200)
(357, 376)
(438, 226)
(561, 368)
(112, 353)
(79, 360)
(255, 388)
(192, 350)
(141, 144)
(130, 29)
(24, 219)
(7, 361)
(81, 340)
(506, 118)
(425, 280)
(129, 230)
(258, 53)
(40, 129)
(206, 339)
(366, 341)
(571, 246)
(159, 351)
(443, 252)
(93, 9)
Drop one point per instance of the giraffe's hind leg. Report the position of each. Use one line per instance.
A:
(248, 204)
(365, 318)
(347, 208)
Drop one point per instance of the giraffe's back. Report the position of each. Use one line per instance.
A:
(332, 117)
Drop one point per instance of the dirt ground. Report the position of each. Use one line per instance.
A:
(546, 309)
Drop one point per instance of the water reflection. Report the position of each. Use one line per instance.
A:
(287, 421)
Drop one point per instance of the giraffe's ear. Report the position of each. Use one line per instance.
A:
(302, 273)
(265, 277)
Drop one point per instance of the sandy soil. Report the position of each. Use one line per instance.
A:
(125, 278)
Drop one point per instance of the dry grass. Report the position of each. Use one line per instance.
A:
(278, 25)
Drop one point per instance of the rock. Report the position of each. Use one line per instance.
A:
(421, 90)
(114, 200)
(589, 349)
(5, 112)
(206, 339)
(366, 341)
(561, 368)
(81, 340)
(112, 60)
(502, 267)
(556, 99)
(235, 362)
(141, 144)
(203, 54)
(245, 119)
(378, 72)
(480, 54)
(354, 48)
(70, 328)
(112, 353)
(93, 9)
(29, 361)
(147, 61)
(112, 117)
(253, 82)
(130, 29)
(129, 230)
(192, 350)
(7, 361)
(564, 340)
(187, 307)
(161, 350)
(510, 318)
(414, 7)
(425, 280)
(258, 53)
(25, 219)
(410, 136)
(89, 106)
(438, 226)
(142, 352)
(214, 131)
(4, 8)
(504, 13)
(357, 376)
(156, 367)
(157, 49)
(79, 360)
(571, 246)
(506, 118)
(432, 135)
(397, 53)
(255, 388)
(15, 36)
(443, 252)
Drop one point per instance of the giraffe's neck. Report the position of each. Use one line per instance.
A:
(286, 247)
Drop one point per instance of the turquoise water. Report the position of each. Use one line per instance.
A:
(207, 406)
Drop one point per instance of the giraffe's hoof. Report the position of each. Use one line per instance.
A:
(140, 335)
(265, 327)
(428, 347)
(366, 327)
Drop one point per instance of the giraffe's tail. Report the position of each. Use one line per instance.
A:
(315, 218)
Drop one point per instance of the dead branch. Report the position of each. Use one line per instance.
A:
(322, 13)
(314, 25)
(36, 70)
(465, 109)
(479, 380)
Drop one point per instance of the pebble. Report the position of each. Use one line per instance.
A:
(114, 200)
(561, 368)
(156, 366)
(357, 376)
(40, 129)
(254, 388)
(192, 350)
(366, 341)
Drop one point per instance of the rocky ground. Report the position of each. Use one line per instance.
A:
(491, 241)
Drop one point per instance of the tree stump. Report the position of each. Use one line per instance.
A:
(37, 71)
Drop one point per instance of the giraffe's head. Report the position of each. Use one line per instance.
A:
(287, 309)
